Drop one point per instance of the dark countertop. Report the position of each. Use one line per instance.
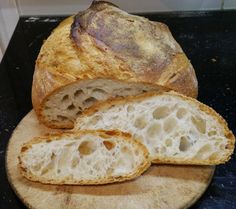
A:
(209, 40)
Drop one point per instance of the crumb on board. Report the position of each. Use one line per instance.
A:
(213, 60)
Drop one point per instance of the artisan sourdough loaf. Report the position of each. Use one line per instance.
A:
(101, 53)
(86, 157)
(176, 129)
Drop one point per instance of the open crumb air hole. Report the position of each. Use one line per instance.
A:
(161, 112)
(89, 101)
(168, 142)
(65, 98)
(74, 162)
(71, 107)
(86, 148)
(109, 145)
(181, 113)
(184, 144)
(154, 130)
(170, 124)
(130, 108)
(78, 93)
(95, 119)
(199, 123)
(61, 117)
(203, 150)
(140, 123)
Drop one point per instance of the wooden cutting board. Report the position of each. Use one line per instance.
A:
(160, 187)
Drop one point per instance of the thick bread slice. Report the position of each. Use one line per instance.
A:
(176, 129)
(105, 51)
(85, 157)
(68, 102)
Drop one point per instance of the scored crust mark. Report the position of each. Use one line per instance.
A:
(86, 157)
(175, 128)
(126, 38)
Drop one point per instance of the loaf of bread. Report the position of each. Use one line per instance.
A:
(176, 129)
(101, 53)
(81, 158)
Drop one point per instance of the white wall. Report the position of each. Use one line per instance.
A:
(229, 4)
(45, 7)
(8, 19)
(1, 54)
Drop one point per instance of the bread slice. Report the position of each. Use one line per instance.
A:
(85, 157)
(176, 129)
(101, 53)
(62, 107)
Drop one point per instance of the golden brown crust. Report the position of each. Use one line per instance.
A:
(110, 179)
(61, 62)
(100, 106)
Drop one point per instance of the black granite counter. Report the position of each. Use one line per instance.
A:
(209, 40)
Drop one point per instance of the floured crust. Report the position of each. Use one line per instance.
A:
(104, 134)
(61, 62)
(103, 106)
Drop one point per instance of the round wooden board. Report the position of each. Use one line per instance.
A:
(160, 187)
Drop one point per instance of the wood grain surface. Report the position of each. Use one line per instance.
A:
(161, 186)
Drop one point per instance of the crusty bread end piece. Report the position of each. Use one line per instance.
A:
(102, 53)
(65, 104)
(83, 158)
(176, 129)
